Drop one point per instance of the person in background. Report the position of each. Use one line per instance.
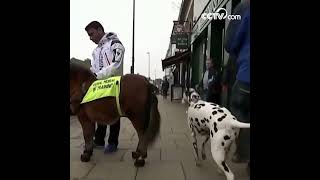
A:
(210, 83)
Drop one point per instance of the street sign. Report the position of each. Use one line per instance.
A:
(182, 41)
(180, 36)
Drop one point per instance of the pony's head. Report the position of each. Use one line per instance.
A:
(79, 76)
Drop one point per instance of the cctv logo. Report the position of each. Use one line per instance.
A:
(220, 14)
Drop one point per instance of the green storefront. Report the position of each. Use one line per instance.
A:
(207, 41)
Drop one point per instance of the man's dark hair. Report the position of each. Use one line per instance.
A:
(94, 25)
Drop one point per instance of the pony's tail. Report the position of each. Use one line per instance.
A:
(153, 125)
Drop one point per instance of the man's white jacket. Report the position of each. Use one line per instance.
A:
(108, 57)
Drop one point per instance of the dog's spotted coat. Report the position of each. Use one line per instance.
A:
(214, 122)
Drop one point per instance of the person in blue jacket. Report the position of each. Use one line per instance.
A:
(237, 44)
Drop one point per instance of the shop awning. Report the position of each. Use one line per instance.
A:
(179, 57)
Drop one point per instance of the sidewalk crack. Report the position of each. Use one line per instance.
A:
(94, 165)
(183, 171)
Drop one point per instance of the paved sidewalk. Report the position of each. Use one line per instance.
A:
(171, 157)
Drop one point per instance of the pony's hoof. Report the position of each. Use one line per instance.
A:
(85, 157)
(139, 163)
(144, 156)
(204, 157)
(135, 155)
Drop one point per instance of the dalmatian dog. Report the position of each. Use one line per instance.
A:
(215, 123)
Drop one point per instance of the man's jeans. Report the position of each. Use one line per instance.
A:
(240, 107)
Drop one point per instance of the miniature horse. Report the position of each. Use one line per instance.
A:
(137, 100)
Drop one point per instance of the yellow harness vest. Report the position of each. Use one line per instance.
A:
(104, 88)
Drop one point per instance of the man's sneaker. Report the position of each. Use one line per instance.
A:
(110, 148)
